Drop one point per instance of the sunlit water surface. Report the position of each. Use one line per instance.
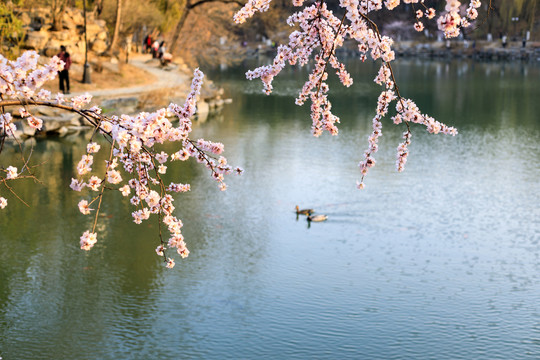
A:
(438, 262)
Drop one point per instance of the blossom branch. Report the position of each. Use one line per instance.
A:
(132, 142)
(319, 27)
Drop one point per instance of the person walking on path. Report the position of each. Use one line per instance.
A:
(147, 44)
(64, 74)
(155, 49)
(162, 49)
(164, 57)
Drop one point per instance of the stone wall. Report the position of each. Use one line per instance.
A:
(40, 36)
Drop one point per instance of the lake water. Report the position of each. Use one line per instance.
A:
(438, 262)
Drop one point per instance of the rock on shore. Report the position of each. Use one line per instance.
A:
(37, 23)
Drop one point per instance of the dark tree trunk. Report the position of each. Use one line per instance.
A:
(117, 25)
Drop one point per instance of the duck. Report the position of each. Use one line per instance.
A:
(317, 218)
(303, 211)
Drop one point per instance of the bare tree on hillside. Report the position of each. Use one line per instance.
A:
(58, 7)
(117, 25)
(98, 7)
(188, 6)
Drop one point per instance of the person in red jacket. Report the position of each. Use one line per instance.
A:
(63, 75)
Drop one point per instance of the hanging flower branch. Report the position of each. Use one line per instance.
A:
(319, 33)
(134, 167)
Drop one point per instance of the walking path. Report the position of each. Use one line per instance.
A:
(165, 78)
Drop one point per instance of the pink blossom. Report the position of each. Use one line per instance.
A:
(94, 183)
(34, 122)
(249, 9)
(84, 165)
(95, 109)
(88, 240)
(391, 4)
(125, 190)
(178, 187)
(418, 26)
(114, 177)
(430, 13)
(84, 208)
(76, 185)
(170, 263)
(162, 157)
(78, 102)
(60, 98)
(162, 169)
(472, 13)
(182, 250)
(92, 148)
(135, 200)
(152, 199)
(11, 172)
(24, 113)
(239, 170)
(160, 249)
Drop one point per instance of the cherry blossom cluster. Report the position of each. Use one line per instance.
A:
(133, 152)
(250, 8)
(403, 151)
(11, 173)
(452, 21)
(23, 78)
(134, 165)
(318, 33)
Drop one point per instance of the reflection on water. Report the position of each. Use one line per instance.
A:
(439, 262)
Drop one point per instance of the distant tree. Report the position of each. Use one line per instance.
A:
(98, 7)
(524, 10)
(117, 25)
(209, 37)
(136, 16)
(57, 12)
(205, 34)
(501, 12)
(187, 6)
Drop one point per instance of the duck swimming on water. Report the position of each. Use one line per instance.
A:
(303, 211)
(316, 218)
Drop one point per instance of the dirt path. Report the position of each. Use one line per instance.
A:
(165, 78)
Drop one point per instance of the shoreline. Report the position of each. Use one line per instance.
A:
(455, 49)
(478, 50)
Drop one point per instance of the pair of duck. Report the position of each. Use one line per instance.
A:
(310, 217)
